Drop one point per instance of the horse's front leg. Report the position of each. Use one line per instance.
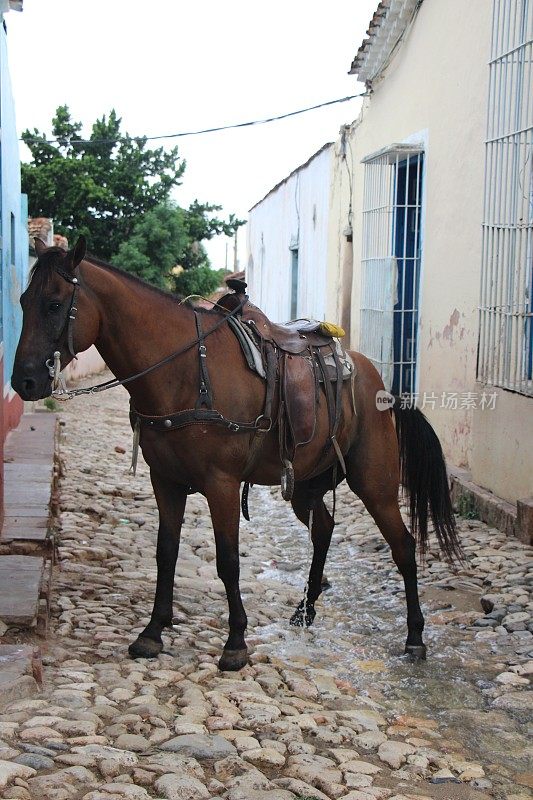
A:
(171, 500)
(223, 499)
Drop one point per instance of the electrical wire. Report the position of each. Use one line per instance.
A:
(264, 121)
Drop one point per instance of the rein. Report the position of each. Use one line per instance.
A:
(202, 413)
(60, 392)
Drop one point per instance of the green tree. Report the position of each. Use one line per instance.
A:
(167, 237)
(200, 280)
(100, 187)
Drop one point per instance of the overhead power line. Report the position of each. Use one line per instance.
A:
(206, 130)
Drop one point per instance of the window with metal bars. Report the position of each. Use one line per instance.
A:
(390, 263)
(505, 351)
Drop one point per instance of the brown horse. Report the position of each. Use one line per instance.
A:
(134, 326)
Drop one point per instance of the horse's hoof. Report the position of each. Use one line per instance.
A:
(297, 618)
(145, 648)
(417, 652)
(233, 660)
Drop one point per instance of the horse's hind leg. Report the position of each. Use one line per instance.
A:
(171, 500)
(373, 476)
(321, 531)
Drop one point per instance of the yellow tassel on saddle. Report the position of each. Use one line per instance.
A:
(329, 329)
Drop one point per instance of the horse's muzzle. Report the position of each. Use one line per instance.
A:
(29, 385)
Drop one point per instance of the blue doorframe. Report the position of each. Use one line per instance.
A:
(407, 250)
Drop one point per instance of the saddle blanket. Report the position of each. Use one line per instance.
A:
(254, 359)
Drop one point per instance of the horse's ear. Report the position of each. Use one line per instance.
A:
(78, 253)
(40, 246)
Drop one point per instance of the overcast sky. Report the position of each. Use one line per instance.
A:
(175, 65)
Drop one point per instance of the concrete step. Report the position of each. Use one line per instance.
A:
(21, 580)
(30, 478)
(20, 672)
(27, 547)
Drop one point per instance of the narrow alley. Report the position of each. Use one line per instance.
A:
(332, 712)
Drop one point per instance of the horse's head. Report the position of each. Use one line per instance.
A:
(47, 305)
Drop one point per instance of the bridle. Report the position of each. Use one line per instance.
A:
(202, 413)
(59, 390)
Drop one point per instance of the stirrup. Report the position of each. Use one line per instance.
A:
(287, 480)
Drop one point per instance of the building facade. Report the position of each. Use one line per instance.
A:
(430, 239)
(288, 241)
(13, 233)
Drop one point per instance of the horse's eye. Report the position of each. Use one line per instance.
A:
(53, 307)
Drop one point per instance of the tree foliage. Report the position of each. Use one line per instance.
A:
(115, 191)
(151, 250)
(170, 237)
(99, 187)
(200, 280)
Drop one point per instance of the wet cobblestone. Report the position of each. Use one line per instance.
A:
(333, 712)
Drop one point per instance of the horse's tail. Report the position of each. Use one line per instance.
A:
(423, 475)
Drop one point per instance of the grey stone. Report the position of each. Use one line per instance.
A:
(133, 742)
(497, 614)
(261, 794)
(515, 701)
(394, 753)
(485, 622)
(176, 787)
(34, 748)
(516, 621)
(176, 762)
(481, 783)
(200, 746)
(60, 747)
(9, 772)
(34, 760)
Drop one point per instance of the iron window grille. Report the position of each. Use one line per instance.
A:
(505, 351)
(390, 263)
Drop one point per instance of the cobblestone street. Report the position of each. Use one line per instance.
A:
(333, 712)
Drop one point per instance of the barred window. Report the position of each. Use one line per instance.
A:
(390, 263)
(505, 353)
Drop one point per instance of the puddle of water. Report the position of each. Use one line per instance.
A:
(360, 630)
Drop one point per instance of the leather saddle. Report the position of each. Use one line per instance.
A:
(301, 360)
(292, 337)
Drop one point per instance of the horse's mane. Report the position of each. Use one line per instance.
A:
(47, 263)
(98, 262)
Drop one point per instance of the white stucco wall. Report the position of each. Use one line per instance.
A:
(294, 213)
(435, 90)
(90, 362)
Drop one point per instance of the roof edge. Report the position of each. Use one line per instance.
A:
(294, 171)
(386, 30)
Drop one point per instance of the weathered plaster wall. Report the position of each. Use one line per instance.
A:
(296, 213)
(90, 362)
(502, 446)
(435, 91)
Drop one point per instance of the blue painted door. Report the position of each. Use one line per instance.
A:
(407, 251)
